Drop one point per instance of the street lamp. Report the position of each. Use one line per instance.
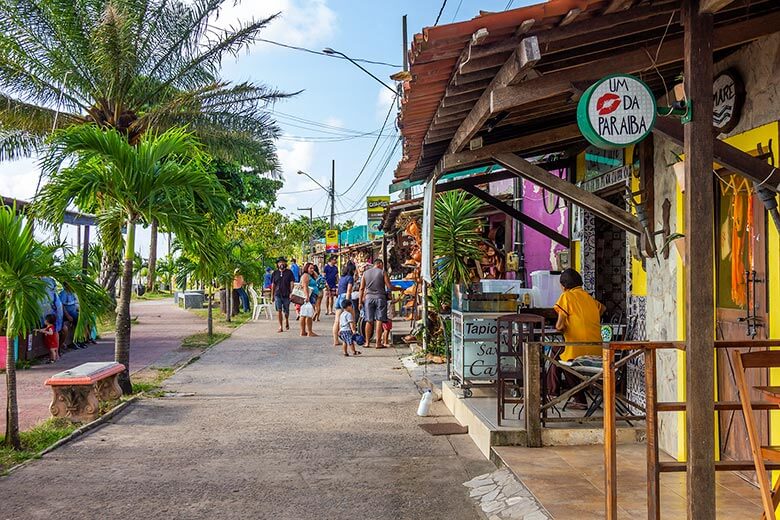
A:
(331, 191)
(311, 227)
(331, 52)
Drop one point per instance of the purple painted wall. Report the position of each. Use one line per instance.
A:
(539, 250)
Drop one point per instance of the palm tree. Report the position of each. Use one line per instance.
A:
(24, 266)
(456, 236)
(162, 177)
(134, 66)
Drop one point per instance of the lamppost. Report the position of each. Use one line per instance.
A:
(311, 227)
(331, 190)
(331, 52)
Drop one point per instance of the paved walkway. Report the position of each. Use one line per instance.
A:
(155, 339)
(263, 426)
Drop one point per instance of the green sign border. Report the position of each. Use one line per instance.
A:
(583, 121)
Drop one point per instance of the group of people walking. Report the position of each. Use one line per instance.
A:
(357, 298)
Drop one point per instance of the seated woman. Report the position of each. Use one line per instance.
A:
(579, 318)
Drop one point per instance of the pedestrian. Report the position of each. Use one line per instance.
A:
(322, 287)
(238, 288)
(309, 285)
(268, 278)
(373, 298)
(282, 282)
(50, 337)
(344, 294)
(295, 269)
(331, 271)
(70, 316)
(347, 329)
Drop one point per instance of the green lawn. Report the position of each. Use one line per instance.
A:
(35, 440)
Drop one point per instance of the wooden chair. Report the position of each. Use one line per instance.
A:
(770, 497)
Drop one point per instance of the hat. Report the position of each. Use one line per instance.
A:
(281, 259)
(268, 269)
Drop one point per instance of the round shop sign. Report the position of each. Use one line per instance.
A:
(616, 111)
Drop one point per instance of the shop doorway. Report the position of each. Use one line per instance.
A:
(610, 256)
(741, 299)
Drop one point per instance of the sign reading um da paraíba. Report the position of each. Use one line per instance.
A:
(616, 111)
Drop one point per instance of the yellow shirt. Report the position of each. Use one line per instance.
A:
(583, 322)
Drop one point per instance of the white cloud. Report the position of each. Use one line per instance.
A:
(302, 22)
(299, 190)
(383, 101)
(19, 178)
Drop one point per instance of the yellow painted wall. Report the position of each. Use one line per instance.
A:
(745, 141)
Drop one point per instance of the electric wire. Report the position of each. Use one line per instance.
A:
(438, 17)
(381, 156)
(379, 172)
(320, 53)
(387, 117)
(508, 5)
(457, 10)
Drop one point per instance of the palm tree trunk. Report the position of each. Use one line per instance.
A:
(150, 281)
(210, 319)
(122, 342)
(12, 409)
(229, 297)
(109, 272)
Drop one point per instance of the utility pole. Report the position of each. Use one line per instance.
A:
(332, 193)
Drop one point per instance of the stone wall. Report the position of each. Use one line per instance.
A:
(759, 66)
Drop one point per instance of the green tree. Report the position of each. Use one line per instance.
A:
(133, 66)
(162, 177)
(456, 236)
(246, 188)
(25, 264)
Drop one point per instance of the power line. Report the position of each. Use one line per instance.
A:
(457, 10)
(320, 53)
(387, 117)
(295, 192)
(443, 4)
(508, 4)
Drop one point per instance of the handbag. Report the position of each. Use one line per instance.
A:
(298, 295)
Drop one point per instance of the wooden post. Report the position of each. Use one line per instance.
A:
(532, 398)
(610, 435)
(699, 263)
(651, 422)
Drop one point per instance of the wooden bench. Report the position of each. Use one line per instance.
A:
(77, 392)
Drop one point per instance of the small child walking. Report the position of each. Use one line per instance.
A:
(51, 339)
(347, 329)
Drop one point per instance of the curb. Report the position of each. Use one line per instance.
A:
(78, 432)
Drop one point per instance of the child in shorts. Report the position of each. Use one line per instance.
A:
(387, 327)
(50, 338)
(347, 329)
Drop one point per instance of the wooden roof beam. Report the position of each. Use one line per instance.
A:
(523, 58)
(726, 155)
(570, 17)
(618, 5)
(713, 6)
(512, 96)
(520, 144)
(570, 192)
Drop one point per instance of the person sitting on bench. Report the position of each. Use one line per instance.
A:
(579, 318)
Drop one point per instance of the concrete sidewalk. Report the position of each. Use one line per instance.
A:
(155, 339)
(263, 426)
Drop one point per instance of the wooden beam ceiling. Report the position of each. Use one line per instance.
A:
(713, 6)
(498, 98)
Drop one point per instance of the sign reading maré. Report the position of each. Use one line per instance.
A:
(616, 111)
(728, 96)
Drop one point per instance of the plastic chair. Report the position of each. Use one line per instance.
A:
(259, 305)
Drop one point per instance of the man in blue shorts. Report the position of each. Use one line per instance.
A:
(331, 279)
(282, 282)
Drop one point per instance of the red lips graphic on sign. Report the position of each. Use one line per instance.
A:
(608, 103)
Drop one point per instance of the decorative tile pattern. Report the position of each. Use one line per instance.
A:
(502, 497)
(588, 252)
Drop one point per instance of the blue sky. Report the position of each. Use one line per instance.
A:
(335, 92)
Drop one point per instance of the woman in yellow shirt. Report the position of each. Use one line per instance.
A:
(579, 318)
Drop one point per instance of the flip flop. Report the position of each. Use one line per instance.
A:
(356, 353)
(346, 354)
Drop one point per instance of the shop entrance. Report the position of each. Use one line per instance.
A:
(610, 256)
(741, 299)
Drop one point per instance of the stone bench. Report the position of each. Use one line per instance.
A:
(77, 392)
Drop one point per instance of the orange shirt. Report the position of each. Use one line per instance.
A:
(238, 282)
(583, 322)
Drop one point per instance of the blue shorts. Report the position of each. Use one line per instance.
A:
(376, 309)
(346, 336)
(282, 304)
